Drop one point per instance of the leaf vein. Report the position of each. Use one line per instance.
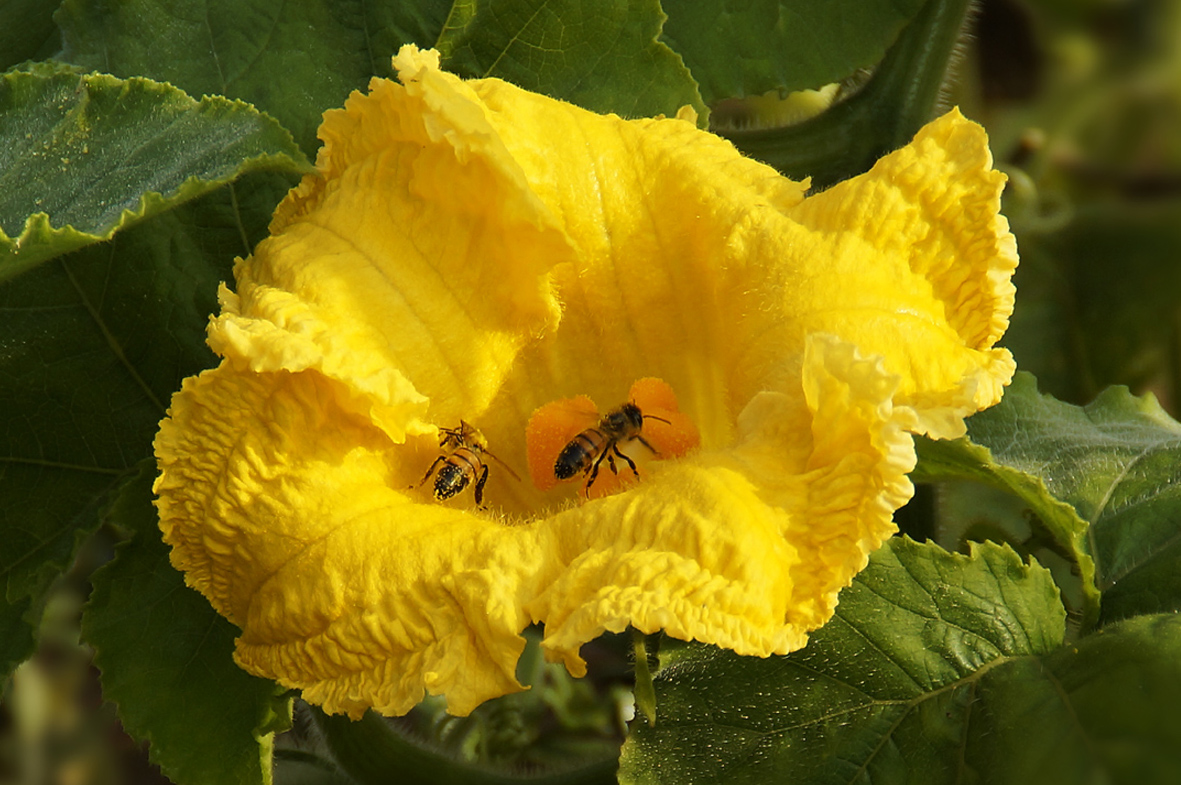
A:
(112, 342)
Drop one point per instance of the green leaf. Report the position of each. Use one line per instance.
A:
(884, 691)
(1107, 709)
(738, 48)
(901, 96)
(28, 32)
(961, 459)
(390, 25)
(295, 60)
(86, 155)
(165, 658)
(935, 669)
(292, 60)
(1116, 462)
(603, 55)
(94, 343)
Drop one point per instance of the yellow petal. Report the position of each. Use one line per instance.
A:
(291, 515)
(417, 253)
(937, 295)
(654, 288)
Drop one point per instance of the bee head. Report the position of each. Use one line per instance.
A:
(620, 423)
(631, 416)
(472, 436)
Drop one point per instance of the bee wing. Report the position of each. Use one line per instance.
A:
(504, 465)
(550, 429)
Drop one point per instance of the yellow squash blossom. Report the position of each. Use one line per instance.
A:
(467, 254)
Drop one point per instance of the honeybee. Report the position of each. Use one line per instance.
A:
(466, 448)
(586, 451)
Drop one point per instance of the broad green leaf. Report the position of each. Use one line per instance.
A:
(292, 60)
(1116, 462)
(93, 345)
(603, 55)
(83, 156)
(165, 658)
(1107, 709)
(392, 24)
(295, 60)
(968, 511)
(28, 31)
(884, 692)
(738, 48)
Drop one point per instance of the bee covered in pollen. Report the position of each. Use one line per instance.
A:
(568, 438)
(465, 449)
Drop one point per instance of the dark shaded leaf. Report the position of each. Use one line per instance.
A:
(1109, 288)
(17, 639)
(92, 344)
(374, 752)
(603, 55)
(292, 60)
(165, 658)
(28, 31)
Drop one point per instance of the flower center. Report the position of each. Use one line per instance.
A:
(571, 440)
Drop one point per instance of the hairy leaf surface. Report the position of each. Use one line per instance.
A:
(937, 668)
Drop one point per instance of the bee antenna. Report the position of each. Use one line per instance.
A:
(654, 417)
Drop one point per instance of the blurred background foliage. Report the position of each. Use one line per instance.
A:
(1082, 101)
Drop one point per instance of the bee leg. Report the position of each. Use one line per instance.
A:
(594, 472)
(430, 471)
(630, 462)
(480, 486)
(644, 442)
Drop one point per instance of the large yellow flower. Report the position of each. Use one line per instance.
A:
(469, 252)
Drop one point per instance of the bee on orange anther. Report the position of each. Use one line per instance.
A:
(586, 451)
